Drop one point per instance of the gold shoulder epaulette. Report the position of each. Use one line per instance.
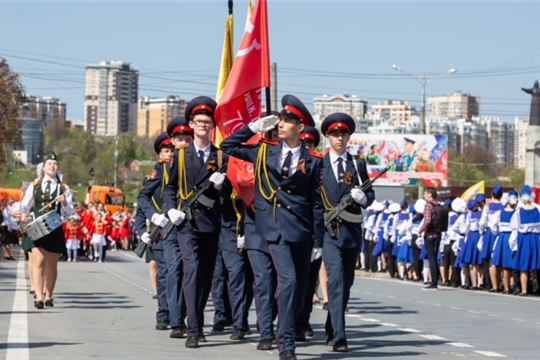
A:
(161, 161)
(35, 182)
(361, 157)
(316, 154)
(270, 142)
(182, 146)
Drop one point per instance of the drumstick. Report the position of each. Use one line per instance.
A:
(47, 205)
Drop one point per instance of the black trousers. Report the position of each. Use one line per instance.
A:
(432, 246)
(417, 264)
(391, 259)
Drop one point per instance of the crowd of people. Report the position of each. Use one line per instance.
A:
(260, 238)
(490, 244)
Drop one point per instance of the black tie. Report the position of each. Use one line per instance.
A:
(341, 172)
(48, 187)
(201, 157)
(286, 165)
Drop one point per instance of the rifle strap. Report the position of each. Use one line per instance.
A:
(220, 157)
(360, 182)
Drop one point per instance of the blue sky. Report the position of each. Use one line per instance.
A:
(320, 47)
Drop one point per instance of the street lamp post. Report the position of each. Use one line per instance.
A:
(424, 80)
(116, 161)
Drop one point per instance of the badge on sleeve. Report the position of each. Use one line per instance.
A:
(152, 175)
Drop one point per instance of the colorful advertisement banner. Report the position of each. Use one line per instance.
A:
(415, 159)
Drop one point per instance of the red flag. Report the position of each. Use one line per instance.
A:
(240, 101)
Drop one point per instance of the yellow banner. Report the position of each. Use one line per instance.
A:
(225, 66)
(471, 192)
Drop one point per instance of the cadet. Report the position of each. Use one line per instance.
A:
(150, 207)
(288, 208)
(198, 238)
(342, 175)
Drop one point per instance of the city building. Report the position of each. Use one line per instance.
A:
(520, 143)
(458, 105)
(497, 136)
(111, 92)
(348, 104)
(153, 114)
(397, 109)
(36, 114)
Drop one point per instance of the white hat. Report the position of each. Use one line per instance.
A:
(378, 207)
(394, 207)
(459, 205)
(419, 206)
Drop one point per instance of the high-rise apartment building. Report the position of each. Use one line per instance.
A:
(348, 104)
(520, 144)
(37, 113)
(397, 109)
(153, 114)
(458, 105)
(111, 92)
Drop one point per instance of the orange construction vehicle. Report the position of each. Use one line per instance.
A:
(111, 197)
(6, 194)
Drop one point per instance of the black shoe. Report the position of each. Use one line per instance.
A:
(162, 325)
(475, 288)
(154, 297)
(325, 306)
(176, 333)
(430, 287)
(192, 341)
(287, 355)
(492, 290)
(534, 285)
(32, 292)
(329, 340)
(265, 344)
(340, 346)
(202, 338)
(238, 334)
(300, 336)
(516, 291)
(219, 326)
(309, 332)
(49, 303)
(522, 294)
(38, 304)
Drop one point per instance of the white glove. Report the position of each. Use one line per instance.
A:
(240, 242)
(159, 220)
(480, 243)
(176, 216)
(316, 253)
(264, 124)
(217, 179)
(145, 238)
(358, 196)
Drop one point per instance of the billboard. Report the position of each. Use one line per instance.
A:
(414, 159)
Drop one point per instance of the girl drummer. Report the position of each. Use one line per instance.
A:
(46, 194)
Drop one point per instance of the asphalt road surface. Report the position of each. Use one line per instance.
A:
(105, 310)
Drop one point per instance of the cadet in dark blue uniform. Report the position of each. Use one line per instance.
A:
(310, 138)
(180, 134)
(288, 206)
(198, 238)
(150, 207)
(342, 175)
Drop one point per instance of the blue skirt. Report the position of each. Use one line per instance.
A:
(458, 264)
(487, 244)
(502, 254)
(423, 254)
(527, 256)
(380, 246)
(405, 253)
(470, 254)
(397, 247)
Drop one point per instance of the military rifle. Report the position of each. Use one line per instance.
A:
(339, 210)
(141, 247)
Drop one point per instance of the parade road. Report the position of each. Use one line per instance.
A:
(105, 310)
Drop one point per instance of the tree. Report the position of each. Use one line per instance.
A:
(11, 99)
(479, 156)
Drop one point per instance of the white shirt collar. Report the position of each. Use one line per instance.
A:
(206, 150)
(286, 148)
(334, 157)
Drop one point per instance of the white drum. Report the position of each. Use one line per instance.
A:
(43, 225)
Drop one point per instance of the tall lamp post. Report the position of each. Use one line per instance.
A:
(424, 80)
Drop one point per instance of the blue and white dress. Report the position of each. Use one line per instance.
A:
(470, 253)
(525, 224)
(458, 233)
(502, 254)
(380, 246)
(488, 227)
(399, 219)
(407, 230)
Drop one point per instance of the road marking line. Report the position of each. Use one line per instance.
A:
(378, 294)
(474, 312)
(432, 337)
(370, 320)
(126, 280)
(367, 292)
(354, 315)
(17, 341)
(458, 344)
(391, 297)
(517, 319)
(271, 353)
(494, 315)
(407, 299)
(490, 354)
(455, 308)
(390, 324)
(410, 330)
(421, 302)
(132, 256)
(437, 305)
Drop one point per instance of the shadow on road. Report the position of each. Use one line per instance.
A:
(35, 345)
